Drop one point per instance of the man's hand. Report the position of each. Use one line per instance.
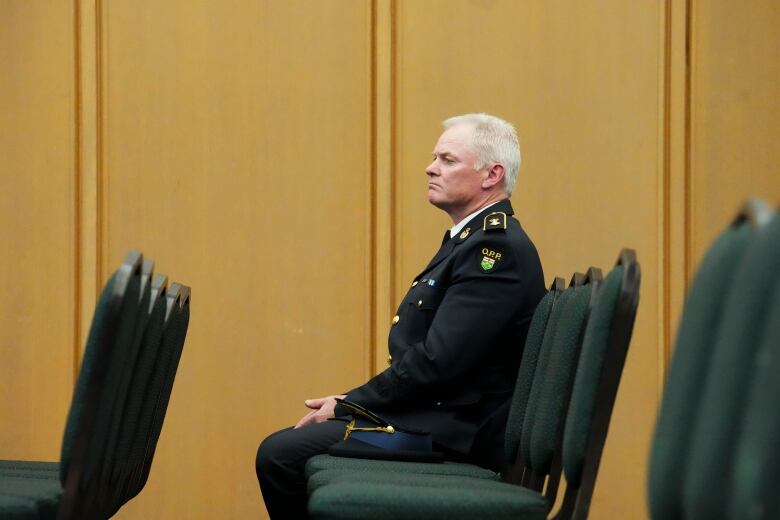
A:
(321, 410)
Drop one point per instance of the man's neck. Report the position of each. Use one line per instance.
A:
(460, 215)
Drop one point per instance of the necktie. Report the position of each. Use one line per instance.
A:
(446, 237)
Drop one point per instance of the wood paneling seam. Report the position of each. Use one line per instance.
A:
(393, 156)
(688, 168)
(666, 250)
(383, 156)
(373, 194)
(99, 152)
(78, 135)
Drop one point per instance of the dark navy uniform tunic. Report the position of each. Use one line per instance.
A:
(457, 339)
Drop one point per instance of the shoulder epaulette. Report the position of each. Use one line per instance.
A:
(494, 221)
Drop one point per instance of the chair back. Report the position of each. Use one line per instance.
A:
(719, 421)
(127, 458)
(161, 385)
(551, 388)
(756, 472)
(600, 366)
(110, 337)
(696, 336)
(524, 446)
(533, 344)
(126, 373)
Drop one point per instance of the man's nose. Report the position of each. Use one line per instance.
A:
(430, 171)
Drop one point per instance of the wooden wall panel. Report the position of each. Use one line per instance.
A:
(37, 212)
(271, 155)
(236, 153)
(582, 83)
(735, 84)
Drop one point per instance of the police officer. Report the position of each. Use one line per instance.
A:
(456, 341)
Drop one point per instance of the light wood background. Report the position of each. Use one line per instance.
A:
(271, 155)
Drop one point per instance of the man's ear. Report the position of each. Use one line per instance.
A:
(494, 176)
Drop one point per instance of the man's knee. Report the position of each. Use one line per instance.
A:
(269, 451)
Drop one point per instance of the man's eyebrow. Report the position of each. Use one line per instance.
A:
(443, 154)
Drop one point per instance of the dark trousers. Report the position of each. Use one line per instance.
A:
(280, 460)
(282, 456)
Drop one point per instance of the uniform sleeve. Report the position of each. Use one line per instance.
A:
(481, 300)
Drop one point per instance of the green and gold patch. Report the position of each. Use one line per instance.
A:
(489, 259)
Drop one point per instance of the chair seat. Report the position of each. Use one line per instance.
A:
(328, 462)
(17, 507)
(332, 476)
(27, 467)
(425, 497)
(39, 493)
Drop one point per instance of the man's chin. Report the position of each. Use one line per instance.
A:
(434, 200)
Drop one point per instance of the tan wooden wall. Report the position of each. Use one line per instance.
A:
(271, 155)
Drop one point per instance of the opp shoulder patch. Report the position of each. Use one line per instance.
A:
(494, 221)
(489, 259)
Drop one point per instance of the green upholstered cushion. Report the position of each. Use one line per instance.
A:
(426, 497)
(695, 340)
(330, 476)
(29, 465)
(30, 472)
(17, 507)
(723, 404)
(586, 382)
(320, 464)
(756, 473)
(525, 375)
(539, 374)
(559, 376)
(43, 491)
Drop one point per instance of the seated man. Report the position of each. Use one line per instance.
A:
(457, 339)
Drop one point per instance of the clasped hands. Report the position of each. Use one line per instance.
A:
(322, 409)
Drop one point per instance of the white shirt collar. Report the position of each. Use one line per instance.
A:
(454, 230)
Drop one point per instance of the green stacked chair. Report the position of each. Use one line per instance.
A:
(544, 316)
(454, 497)
(705, 309)
(136, 375)
(754, 494)
(719, 422)
(111, 335)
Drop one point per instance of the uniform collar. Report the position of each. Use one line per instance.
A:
(475, 221)
(473, 224)
(454, 230)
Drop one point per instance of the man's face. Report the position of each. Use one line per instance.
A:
(453, 183)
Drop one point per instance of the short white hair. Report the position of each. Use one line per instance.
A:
(493, 140)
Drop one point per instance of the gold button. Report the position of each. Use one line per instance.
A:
(396, 319)
(419, 303)
(389, 359)
(414, 283)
